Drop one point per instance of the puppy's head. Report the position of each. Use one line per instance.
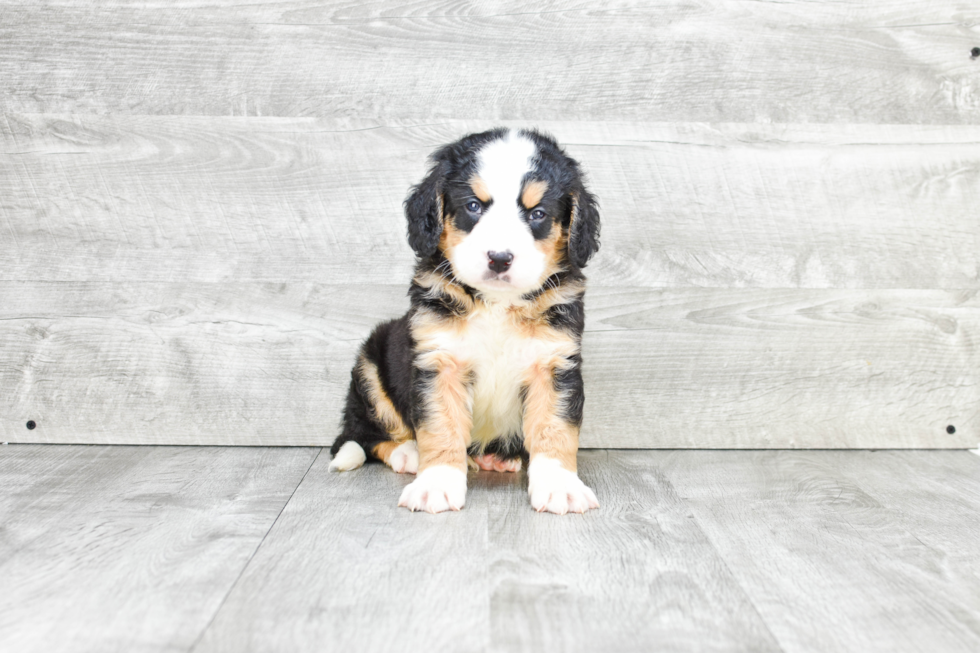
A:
(507, 209)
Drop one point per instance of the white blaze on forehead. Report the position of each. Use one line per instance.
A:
(501, 167)
(503, 163)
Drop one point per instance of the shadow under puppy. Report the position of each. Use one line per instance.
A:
(487, 361)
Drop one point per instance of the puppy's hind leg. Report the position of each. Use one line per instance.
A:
(359, 435)
(363, 436)
(501, 454)
(490, 462)
(373, 424)
(403, 457)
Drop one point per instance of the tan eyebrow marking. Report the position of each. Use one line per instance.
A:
(533, 192)
(480, 188)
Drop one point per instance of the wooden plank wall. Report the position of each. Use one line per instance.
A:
(200, 210)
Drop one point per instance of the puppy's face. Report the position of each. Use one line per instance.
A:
(505, 205)
(501, 234)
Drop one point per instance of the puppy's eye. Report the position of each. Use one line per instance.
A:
(537, 214)
(474, 207)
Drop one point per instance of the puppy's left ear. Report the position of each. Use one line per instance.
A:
(423, 208)
(583, 238)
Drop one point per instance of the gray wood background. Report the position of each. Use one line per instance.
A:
(200, 210)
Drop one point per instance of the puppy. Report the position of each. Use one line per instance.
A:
(485, 368)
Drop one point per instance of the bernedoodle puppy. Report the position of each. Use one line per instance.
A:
(485, 369)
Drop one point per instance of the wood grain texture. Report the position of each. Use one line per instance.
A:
(181, 270)
(120, 198)
(844, 560)
(151, 549)
(940, 507)
(345, 569)
(782, 368)
(269, 364)
(183, 363)
(899, 61)
(129, 548)
(636, 574)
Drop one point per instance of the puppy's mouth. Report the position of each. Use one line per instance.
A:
(495, 279)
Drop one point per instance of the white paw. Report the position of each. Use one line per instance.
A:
(405, 458)
(436, 489)
(350, 456)
(556, 489)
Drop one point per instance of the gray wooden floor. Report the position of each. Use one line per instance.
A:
(262, 549)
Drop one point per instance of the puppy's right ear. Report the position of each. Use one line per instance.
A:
(423, 208)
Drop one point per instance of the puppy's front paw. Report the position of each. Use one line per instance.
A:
(556, 489)
(436, 489)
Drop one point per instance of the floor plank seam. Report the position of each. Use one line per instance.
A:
(724, 561)
(241, 573)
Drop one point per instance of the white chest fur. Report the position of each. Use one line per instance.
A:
(499, 352)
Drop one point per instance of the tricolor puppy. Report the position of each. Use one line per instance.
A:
(486, 366)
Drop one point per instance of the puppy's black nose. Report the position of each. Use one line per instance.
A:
(500, 261)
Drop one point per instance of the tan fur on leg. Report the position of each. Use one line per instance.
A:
(383, 451)
(444, 434)
(553, 484)
(545, 432)
(384, 409)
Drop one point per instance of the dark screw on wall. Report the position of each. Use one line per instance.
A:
(951, 429)
(974, 53)
(31, 425)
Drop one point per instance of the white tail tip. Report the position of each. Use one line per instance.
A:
(351, 456)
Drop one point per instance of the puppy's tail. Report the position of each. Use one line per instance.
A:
(349, 456)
